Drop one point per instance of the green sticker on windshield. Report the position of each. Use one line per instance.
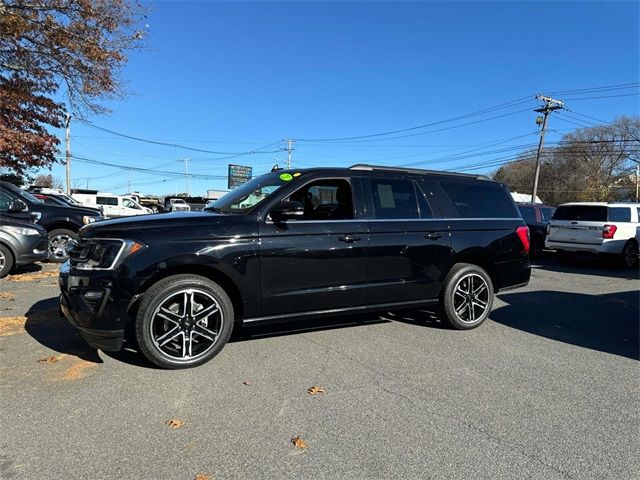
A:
(285, 177)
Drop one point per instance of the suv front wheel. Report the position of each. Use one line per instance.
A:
(467, 296)
(183, 321)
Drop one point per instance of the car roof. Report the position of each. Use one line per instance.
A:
(600, 204)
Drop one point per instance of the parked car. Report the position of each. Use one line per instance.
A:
(536, 216)
(61, 222)
(176, 205)
(113, 206)
(596, 227)
(21, 244)
(294, 244)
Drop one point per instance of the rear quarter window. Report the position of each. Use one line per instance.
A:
(585, 213)
(480, 200)
(547, 213)
(619, 214)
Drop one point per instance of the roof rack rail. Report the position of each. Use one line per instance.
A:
(364, 166)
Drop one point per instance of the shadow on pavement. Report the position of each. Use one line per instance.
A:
(608, 323)
(584, 264)
(55, 332)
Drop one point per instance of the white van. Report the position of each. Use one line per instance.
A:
(113, 205)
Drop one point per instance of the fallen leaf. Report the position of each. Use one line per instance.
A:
(203, 476)
(299, 443)
(315, 390)
(246, 382)
(77, 371)
(175, 423)
(11, 325)
(34, 277)
(51, 359)
(7, 296)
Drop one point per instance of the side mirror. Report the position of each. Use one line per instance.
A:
(286, 210)
(17, 206)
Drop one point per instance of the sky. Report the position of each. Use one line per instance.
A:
(239, 78)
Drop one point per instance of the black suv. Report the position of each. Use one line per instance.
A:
(536, 216)
(61, 222)
(293, 244)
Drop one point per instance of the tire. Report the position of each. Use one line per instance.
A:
(464, 310)
(59, 242)
(630, 254)
(169, 337)
(6, 261)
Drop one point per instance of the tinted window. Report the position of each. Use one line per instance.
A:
(547, 213)
(479, 200)
(586, 213)
(106, 200)
(5, 200)
(423, 204)
(326, 200)
(528, 213)
(619, 214)
(394, 199)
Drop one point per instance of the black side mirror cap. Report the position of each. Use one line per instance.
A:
(286, 210)
(17, 206)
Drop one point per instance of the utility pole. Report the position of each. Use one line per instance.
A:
(549, 106)
(289, 150)
(186, 171)
(67, 139)
(637, 180)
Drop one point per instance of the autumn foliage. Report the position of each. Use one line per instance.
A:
(57, 56)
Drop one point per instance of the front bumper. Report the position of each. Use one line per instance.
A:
(96, 305)
(33, 249)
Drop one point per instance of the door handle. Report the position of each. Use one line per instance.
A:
(349, 238)
(432, 235)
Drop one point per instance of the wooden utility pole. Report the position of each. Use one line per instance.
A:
(549, 106)
(67, 139)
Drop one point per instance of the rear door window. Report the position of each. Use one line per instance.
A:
(528, 214)
(480, 200)
(619, 214)
(585, 213)
(107, 200)
(394, 198)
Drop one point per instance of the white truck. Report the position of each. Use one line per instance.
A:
(113, 205)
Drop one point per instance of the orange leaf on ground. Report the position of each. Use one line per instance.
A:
(299, 443)
(7, 296)
(175, 423)
(34, 277)
(315, 390)
(51, 359)
(11, 325)
(203, 476)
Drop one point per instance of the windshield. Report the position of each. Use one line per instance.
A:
(23, 193)
(247, 196)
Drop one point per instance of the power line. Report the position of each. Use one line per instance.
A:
(604, 96)
(620, 86)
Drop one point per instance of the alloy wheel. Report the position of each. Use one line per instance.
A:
(59, 246)
(3, 260)
(186, 324)
(630, 254)
(471, 298)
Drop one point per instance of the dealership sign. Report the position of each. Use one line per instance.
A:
(238, 174)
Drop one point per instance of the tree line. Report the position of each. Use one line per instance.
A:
(589, 164)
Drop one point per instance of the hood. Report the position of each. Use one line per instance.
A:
(67, 211)
(186, 220)
(4, 222)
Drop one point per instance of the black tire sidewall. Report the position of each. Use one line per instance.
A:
(634, 262)
(457, 272)
(9, 261)
(158, 293)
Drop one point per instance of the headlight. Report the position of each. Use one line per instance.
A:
(22, 230)
(103, 254)
(89, 219)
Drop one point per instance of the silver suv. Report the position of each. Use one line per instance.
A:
(596, 227)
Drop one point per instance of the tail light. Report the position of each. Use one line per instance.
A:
(523, 235)
(608, 231)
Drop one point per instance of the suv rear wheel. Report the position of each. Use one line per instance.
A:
(183, 321)
(467, 296)
(630, 254)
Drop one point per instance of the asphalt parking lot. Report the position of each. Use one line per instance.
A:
(548, 388)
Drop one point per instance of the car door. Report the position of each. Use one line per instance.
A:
(318, 262)
(409, 246)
